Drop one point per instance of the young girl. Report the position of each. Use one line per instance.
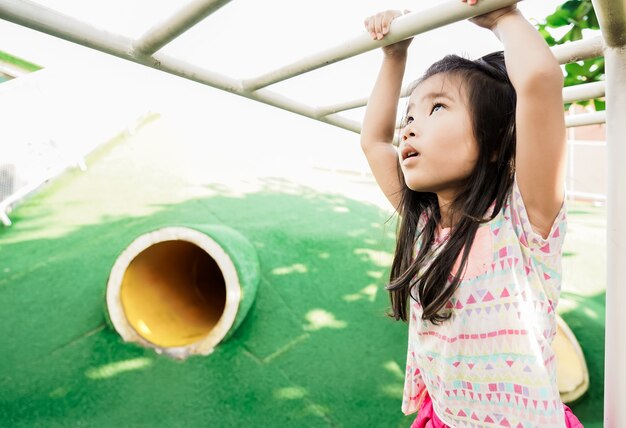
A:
(477, 180)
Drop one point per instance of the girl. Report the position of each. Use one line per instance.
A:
(477, 180)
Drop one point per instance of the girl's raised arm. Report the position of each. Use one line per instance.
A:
(540, 123)
(379, 122)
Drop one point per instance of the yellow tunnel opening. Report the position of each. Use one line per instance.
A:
(173, 293)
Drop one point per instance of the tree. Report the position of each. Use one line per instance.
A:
(578, 15)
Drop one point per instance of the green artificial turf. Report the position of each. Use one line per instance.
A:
(315, 349)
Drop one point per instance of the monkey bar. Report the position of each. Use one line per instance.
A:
(612, 45)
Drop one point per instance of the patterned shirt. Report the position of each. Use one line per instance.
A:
(492, 364)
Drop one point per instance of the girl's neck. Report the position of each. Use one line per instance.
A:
(445, 220)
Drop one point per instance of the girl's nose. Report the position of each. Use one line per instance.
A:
(407, 133)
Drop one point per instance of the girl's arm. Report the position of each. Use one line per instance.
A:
(379, 122)
(540, 122)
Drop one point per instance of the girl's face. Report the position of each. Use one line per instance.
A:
(437, 148)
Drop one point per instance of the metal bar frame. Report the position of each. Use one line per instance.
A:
(612, 45)
(142, 50)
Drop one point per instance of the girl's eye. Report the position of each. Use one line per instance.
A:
(409, 119)
(435, 107)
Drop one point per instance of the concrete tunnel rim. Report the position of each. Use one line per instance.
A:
(204, 346)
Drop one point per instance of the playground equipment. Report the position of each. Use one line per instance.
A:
(612, 45)
(182, 290)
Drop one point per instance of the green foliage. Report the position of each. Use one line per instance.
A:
(578, 15)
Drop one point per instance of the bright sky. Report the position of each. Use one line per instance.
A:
(243, 39)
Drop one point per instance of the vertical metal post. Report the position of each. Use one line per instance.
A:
(615, 335)
(612, 18)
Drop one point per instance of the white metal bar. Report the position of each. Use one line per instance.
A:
(587, 91)
(612, 18)
(401, 28)
(359, 102)
(342, 106)
(585, 119)
(49, 21)
(615, 333)
(164, 32)
(579, 50)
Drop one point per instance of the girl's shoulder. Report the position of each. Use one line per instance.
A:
(514, 212)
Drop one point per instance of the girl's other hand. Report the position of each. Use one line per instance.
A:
(489, 20)
(378, 26)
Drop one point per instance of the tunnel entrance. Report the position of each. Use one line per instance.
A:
(173, 293)
(178, 290)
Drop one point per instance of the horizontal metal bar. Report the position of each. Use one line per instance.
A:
(49, 21)
(401, 28)
(579, 50)
(164, 32)
(585, 119)
(52, 22)
(586, 91)
(342, 106)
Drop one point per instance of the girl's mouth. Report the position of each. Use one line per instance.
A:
(409, 152)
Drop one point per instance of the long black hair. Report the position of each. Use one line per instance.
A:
(491, 101)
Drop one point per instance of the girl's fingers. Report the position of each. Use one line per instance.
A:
(386, 19)
(369, 26)
(378, 26)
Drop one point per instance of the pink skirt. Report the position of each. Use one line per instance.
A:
(427, 418)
